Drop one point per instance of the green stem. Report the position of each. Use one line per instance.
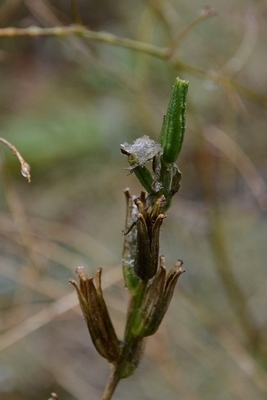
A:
(133, 310)
(132, 346)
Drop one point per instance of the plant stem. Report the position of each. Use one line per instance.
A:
(133, 309)
(164, 53)
(111, 385)
(25, 167)
(132, 349)
(230, 283)
(79, 30)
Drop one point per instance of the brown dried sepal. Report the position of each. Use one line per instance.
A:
(96, 315)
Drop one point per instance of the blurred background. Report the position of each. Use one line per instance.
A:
(67, 103)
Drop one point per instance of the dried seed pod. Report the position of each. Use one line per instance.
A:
(143, 258)
(96, 315)
(147, 246)
(157, 300)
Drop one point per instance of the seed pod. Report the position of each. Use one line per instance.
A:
(96, 315)
(172, 133)
(147, 248)
(143, 259)
(157, 299)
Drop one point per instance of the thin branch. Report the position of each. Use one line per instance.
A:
(25, 167)
(36, 321)
(241, 161)
(235, 293)
(206, 13)
(79, 30)
(49, 313)
(146, 48)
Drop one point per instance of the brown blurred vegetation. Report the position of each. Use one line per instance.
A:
(67, 104)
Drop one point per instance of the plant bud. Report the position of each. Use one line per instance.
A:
(172, 133)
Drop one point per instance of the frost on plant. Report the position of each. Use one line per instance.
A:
(141, 151)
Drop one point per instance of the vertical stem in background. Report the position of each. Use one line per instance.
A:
(208, 166)
(230, 283)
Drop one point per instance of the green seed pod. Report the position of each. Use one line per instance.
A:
(172, 133)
